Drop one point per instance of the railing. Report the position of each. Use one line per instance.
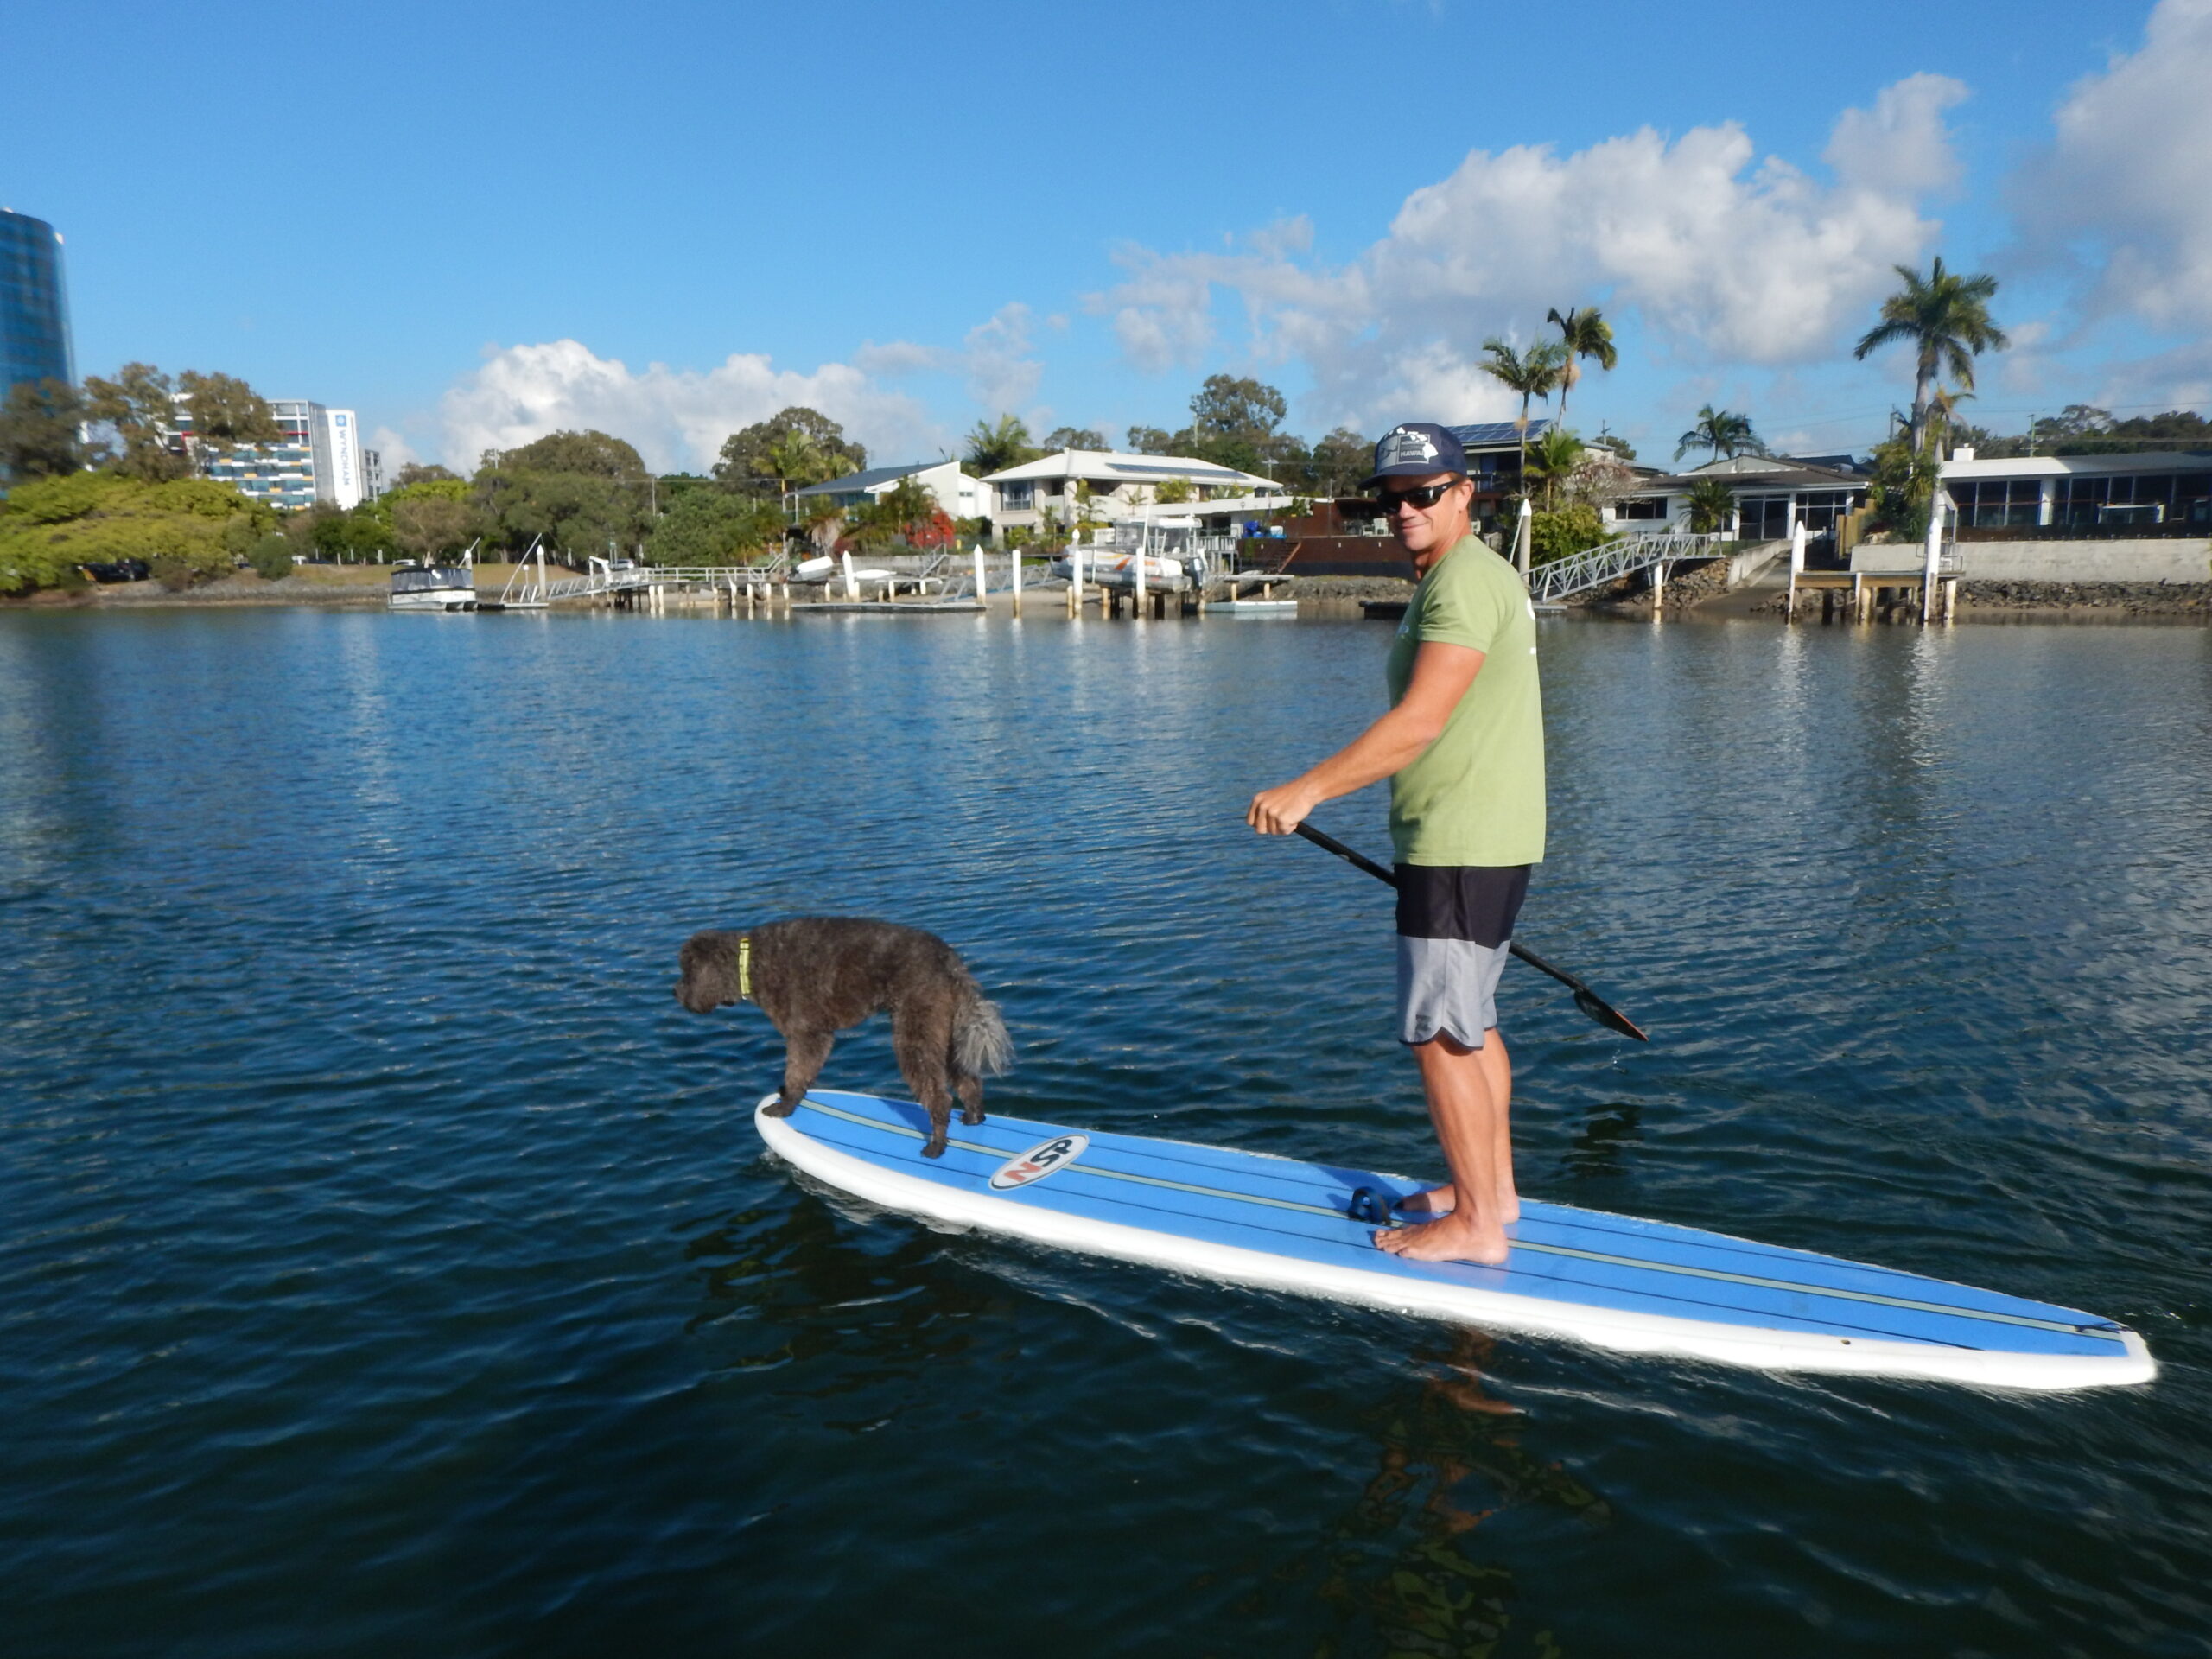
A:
(1578, 573)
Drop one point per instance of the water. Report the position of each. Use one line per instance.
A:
(388, 1265)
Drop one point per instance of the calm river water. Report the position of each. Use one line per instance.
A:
(388, 1266)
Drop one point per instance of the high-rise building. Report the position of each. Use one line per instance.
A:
(318, 459)
(34, 342)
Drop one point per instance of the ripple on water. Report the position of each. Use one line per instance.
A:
(389, 1264)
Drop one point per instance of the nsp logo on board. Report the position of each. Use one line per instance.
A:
(1040, 1160)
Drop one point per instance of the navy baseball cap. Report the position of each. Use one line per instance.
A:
(1416, 450)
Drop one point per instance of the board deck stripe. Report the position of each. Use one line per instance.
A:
(2102, 1329)
(1637, 1286)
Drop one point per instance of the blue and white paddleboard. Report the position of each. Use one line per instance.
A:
(1641, 1287)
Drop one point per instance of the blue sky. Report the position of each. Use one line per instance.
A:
(473, 223)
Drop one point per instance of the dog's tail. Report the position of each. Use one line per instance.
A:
(980, 1043)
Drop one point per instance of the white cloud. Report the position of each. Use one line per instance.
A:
(993, 359)
(676, 417)
(393, 450)
(2121, 194)
(1718, 253)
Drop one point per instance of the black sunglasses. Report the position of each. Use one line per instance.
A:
(1427, 495)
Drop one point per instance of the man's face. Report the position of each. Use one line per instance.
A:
(1426, 532)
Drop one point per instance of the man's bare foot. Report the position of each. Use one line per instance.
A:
(1452, 1239)
(1442, 1201)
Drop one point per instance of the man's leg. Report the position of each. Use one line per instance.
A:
(1471, 1125)
(1497, 1072)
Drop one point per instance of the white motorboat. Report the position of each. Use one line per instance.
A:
(433, 587)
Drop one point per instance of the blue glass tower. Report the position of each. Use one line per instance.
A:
(33, 307)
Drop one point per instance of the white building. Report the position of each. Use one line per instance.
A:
(959, 495)
(318, 459)
(2166, 492)
(1772, 492)
(1121, 486)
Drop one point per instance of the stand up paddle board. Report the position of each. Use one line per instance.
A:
(1640, 1286)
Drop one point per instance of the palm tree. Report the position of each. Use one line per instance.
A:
(795, 461)
(1552, 460)
(1946, 317)
(1582, 334)
(1533, 374)
(994, 448)
(1720, 432)
(1712, 503)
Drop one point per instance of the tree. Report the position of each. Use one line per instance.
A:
(424, 525)
(1713, 504)
(994, 448)
(1533, 374)
(1720, 432)
(1552, 461)
(744, 464)
(1073, 438)
(185, 529)
(226, 412)
(140, 407)
(1619, 446)
(416, 471)
(39, 426)
(1235, 421)
(270, 556)
(1151, 441)
(1339, 464)
(1583, 334)
(715, 527)
(1172, 492)
(822, 519)
(908, 508)
(590, 454)
(1560, 533)
(1945, 318)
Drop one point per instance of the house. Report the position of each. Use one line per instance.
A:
(2035, 498)
(1113, 486)
(1772, 492)
(959, 495)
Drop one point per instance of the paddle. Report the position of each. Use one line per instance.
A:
(1585, 999)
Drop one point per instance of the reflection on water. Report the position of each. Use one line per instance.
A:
(371, 1202)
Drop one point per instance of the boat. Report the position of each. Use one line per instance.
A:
(433, 587)
(1102, 568)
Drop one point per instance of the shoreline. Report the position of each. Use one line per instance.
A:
(1320, 598)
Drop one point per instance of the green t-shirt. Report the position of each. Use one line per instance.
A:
(1476, 795)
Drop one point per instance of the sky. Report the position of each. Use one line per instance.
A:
(476, 223)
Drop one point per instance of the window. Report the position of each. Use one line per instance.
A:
(1641, 506)
(1017, 498)
(1763, 517)
(1989, 504)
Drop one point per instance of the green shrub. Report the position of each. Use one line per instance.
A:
(271, 557)
(1564, 532)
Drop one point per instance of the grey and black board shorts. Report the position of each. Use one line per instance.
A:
(1455, 926)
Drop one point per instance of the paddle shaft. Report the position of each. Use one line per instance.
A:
(1603, 1012)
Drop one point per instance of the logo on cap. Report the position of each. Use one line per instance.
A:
(1405, 445)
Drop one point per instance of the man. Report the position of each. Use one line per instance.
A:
(1463, 747)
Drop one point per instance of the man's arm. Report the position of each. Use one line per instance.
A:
(1441, 676)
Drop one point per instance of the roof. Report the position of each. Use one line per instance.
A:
(1494, 435)
(1774, 473)
(2161, 461)
(869, 478)
(1124, 468)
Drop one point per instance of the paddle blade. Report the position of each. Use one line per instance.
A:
(1606, 1015)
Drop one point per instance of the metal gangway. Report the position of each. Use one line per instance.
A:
(1579, 572)
(531, 589)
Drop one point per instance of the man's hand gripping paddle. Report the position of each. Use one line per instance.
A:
(1585, 999)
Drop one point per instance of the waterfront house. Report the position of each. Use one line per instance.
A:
(1772, 492)
(959, 495)
(1120, 486)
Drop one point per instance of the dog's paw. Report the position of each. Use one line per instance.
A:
(972, 1116)
(934, 1147)
(781, 1108)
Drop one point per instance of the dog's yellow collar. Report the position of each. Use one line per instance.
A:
(744, 967)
